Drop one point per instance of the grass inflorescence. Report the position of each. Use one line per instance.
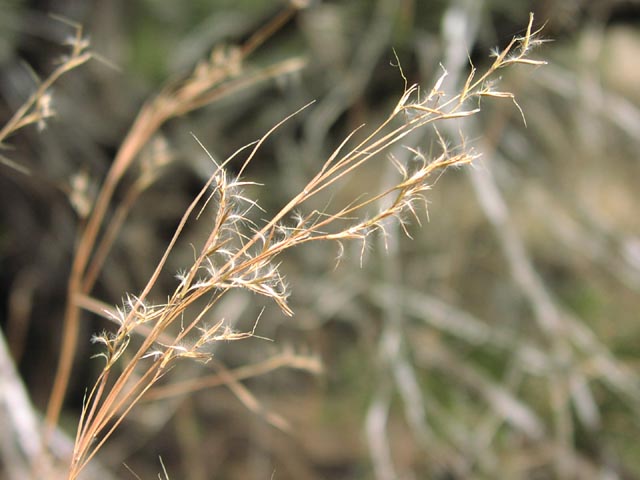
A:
(240, 252)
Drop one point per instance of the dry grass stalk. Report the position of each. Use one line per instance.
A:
(212, 79)
(240, 254)
(37, 108)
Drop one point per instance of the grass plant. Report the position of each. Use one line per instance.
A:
(240, 252)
